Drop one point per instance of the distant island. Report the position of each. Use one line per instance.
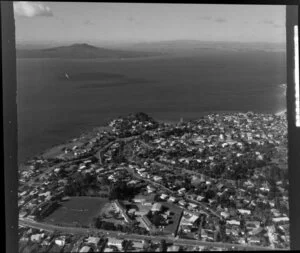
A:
(144, 49)
(80, 51)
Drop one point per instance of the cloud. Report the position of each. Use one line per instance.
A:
(31, 9)
(131, 19)
(205, 18)
(221, 20)
(269, 22)
(60, 19)
(134, 20)
(88, 22)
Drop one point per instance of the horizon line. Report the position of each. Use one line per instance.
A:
(147, 41)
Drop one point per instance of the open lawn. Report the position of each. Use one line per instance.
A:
(77, 211)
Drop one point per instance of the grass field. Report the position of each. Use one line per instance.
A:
(77, 211)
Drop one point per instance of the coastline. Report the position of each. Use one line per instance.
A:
(279, 113)
(87, 132)
(84, 133)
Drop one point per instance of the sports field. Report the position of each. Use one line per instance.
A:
(78, 211)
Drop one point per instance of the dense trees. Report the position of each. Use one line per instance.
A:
(132, 228)
(140, 116)
(147, 245)
(157, 220)
(209, 194)
(122, 191)
(118, 154)
(34, 248)
(78, 185)
(100, 224)
(163, 245)
(124, 125)
(174, 132)
(146, 137)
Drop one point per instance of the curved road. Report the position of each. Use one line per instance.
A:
(207, 209)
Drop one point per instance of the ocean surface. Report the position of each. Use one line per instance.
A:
(53, 109)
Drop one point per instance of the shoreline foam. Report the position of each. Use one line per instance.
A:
(280, 112)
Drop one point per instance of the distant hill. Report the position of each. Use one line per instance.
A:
(193, 46)
(80, 51)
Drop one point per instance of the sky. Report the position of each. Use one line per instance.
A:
(94, 23)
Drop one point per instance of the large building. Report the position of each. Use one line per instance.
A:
(86, 249)
(122, 210)
(114, 242)
(156, 207)
(147, 223)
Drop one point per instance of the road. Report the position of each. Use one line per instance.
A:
(132, 172)
(101, 150)
(98, 154)
(184, 242)
(205, 207)
(185, 197)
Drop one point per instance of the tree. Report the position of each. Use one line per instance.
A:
(150, 215)
(121, 191)
(273, 189)
(108, 225)
(33, 249)
(163, 245)
(119, 228)
(156, 198)
(242, 223)
(218, 237)
(147, 245)
(157, 219)
(98, 222)
(88, 179)
(210, 194)
(124, 244)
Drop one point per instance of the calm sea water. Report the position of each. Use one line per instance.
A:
(52, 109)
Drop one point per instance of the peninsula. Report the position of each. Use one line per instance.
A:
(216, 183)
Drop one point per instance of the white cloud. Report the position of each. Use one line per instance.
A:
(221, 20)
(88, 22)
(268, 21)
(31, 9)
(205, 18)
